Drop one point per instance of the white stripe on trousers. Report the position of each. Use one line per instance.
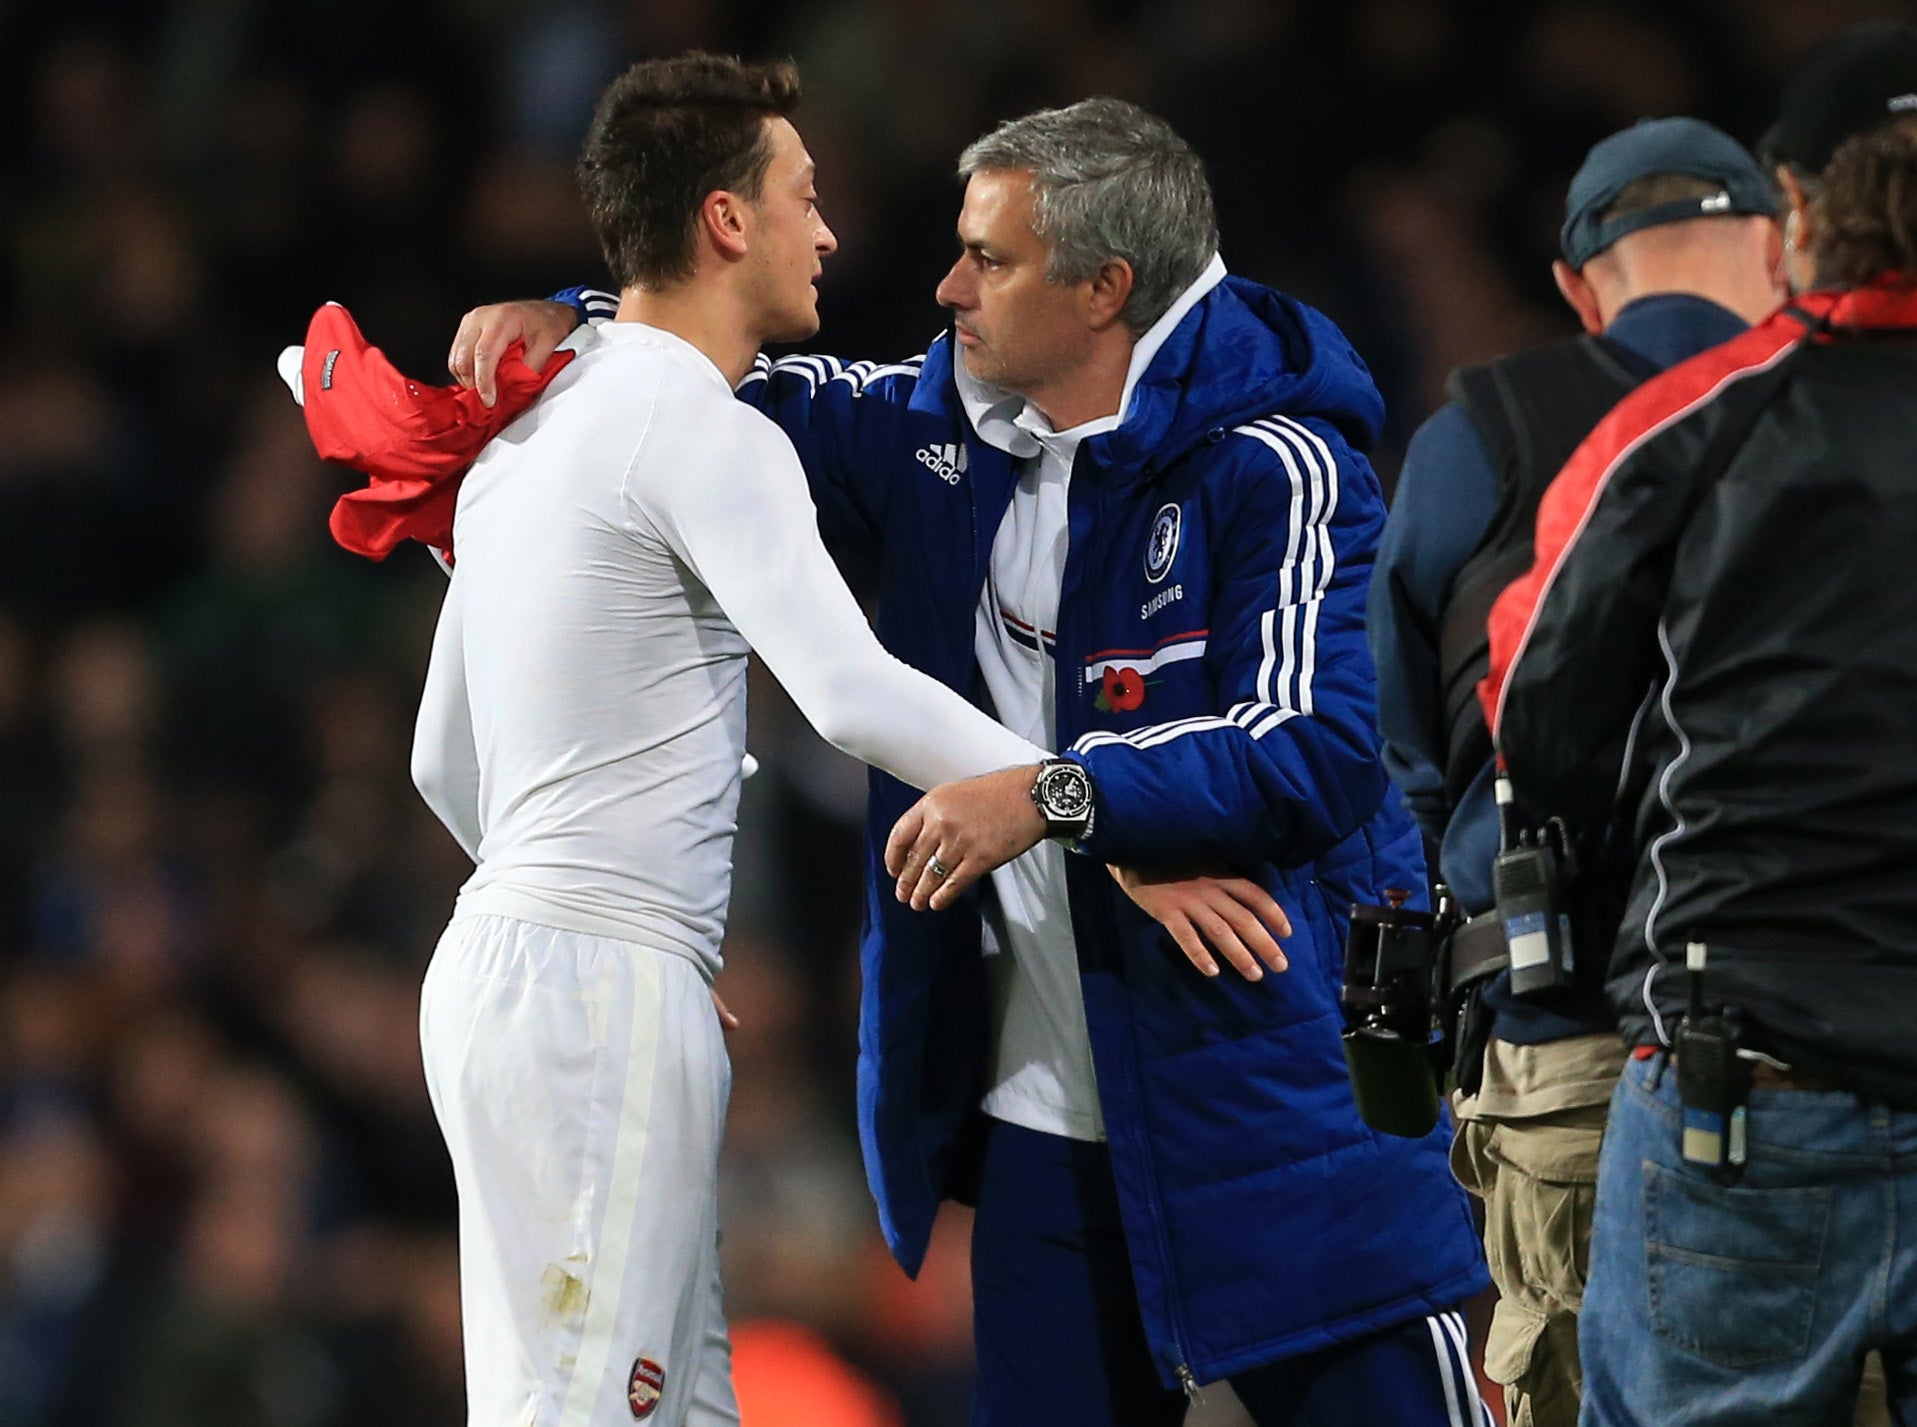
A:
(1461, 1400)
(622, 1198)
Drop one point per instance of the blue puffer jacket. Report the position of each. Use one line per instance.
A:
(1221, 540)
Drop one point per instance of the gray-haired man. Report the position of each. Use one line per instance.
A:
(1126, 503)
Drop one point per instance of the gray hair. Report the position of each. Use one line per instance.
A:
(1112, 182)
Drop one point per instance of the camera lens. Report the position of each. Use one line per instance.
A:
(1393, 1081)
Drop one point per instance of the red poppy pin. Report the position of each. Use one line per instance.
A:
(1121, 691)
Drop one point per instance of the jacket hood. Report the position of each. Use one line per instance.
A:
(1241, 352)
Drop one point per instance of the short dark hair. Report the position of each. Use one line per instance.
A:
(1866, 206)
(1654, 190)
(666, 133)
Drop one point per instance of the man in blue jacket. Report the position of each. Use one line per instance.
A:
(1124, 505)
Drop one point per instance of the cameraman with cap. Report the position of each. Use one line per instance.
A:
(1670, 246)
(1721, 589)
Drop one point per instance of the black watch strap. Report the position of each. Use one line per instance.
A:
(1063, 794)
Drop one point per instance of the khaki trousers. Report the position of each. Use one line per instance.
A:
(1538, 1179)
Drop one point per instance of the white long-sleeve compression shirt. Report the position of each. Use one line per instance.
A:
(619, 547)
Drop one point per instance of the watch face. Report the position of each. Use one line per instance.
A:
(1066, 791)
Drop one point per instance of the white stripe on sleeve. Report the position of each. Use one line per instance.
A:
(859, 373)
(1288, 635)
(1324, 558)
(1306, 572)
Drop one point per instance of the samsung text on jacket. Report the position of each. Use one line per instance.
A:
(1158, 601)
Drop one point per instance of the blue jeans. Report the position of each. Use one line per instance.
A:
(1752, 1299)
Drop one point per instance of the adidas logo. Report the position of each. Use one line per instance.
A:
(946, 462)
(1716, 203)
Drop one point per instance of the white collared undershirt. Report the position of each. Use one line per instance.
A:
(1041, 1075)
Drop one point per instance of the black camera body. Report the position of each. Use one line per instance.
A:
(1413, 996)
(1391, 999)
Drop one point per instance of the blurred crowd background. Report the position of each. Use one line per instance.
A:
(222, 1196)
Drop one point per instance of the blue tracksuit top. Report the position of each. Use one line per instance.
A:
(1220, 543)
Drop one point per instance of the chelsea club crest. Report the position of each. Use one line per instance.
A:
(1162, 548)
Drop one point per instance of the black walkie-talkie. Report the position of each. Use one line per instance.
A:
(1713, 1082)
(1527, 880)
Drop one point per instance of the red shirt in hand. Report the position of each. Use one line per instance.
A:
(412, 441)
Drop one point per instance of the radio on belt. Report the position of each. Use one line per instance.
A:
(1529, 879)
(1713, 1081)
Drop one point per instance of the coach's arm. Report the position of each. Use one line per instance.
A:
(1290, 763)
(834, 412)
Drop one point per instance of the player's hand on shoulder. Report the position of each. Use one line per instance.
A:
(1211, 917)
(486, 332)
(960, 831)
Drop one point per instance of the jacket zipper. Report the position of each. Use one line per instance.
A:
(1194, 1394)
(979, 562)
(1068, 632)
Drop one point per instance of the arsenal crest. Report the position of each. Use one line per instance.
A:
(644, 1387)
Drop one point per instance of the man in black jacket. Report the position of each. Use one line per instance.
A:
(1670, 246)
(1721, 630)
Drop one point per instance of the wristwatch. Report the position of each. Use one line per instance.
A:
(1063, 793)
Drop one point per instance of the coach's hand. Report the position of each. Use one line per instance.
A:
(486, 332)
(958, 832)
(1234, 914)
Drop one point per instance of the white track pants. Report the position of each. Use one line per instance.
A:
(581, 1084)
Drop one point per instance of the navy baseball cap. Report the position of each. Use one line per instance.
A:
(1656, 146)
(1851, 84)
